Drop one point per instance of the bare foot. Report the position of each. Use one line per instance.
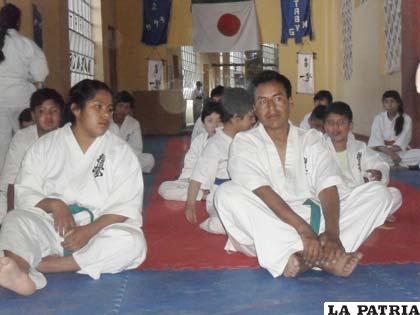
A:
(295, 266)
(14, 279)
(57, 263)
(345, 265)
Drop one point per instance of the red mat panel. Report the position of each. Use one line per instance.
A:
(174, 244)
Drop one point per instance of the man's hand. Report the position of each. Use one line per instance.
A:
(190, 213)
(311, 246)
(395, 157)
(375, 175)
(63, 218)
(77, 238)
(332, 248)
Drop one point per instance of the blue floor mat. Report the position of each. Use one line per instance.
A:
(407, 177)
(214, 292)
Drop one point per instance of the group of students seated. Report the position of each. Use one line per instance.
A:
(294, 198)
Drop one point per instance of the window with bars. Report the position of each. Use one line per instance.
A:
(237, 69)
(82, 47)
(270, 57)
(190, 73)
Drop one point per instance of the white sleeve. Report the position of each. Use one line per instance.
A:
(12, 163)
(323, 170)
(376, 138)
(244, 165)
(404, 138)
(126, 198)
(30, 180)
(305, 122)
(38, 67)
(192, 156)
(418, 79)
(373, 160)
(205, 170)
(135, 140)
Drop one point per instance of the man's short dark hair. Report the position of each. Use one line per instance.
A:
(323, 94)
(45, 94)
(124, 97)
(340, 108)
(217, 91)
(319, 113)
(25, 116)
(209, 107)
(272, 76)
(236, 102)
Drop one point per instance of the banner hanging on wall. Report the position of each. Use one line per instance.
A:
(155, 75)
(305, 80)
(156, 15)
(296, 20)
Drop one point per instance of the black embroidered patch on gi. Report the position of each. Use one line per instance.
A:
(99, 167)
(359, 160)
(305, 161)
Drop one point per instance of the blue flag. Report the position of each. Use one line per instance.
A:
(296, 20)
(156, 15)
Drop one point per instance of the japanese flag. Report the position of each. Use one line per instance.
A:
(224, 26)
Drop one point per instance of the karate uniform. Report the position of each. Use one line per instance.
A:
(210, 169)
(309, 168)
(21, 142)
(130, 131)
(198, 129)
(359, 159)
(198, 98)
(383, 131)
(305, 122)
(106, 179)
(178, 189)
(418, 79)
(24, 63)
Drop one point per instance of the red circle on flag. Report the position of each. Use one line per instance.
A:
(229, 24)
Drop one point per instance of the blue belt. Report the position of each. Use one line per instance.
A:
(220, 181)
(74, 208)
(315, 215)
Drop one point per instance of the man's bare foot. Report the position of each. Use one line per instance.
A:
(295, 266)
(14, 279)
(345, 265)
(57, 263)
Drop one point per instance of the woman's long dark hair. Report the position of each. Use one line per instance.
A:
(9, 18)
(399, 123)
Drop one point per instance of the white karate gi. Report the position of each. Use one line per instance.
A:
(106, 179)
(21, 142)
(130, 131)
(24, 64)
(309, 168)
(178, 189)
(212, 165)
(305, 122)
(418, 79)
(361, 158)
(198, 129)
(383, 130)
(198, 98)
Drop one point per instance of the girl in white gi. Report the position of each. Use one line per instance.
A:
(211, 167)
(22, 67)
(78, 199)
(177, 189)
(128, 128)
(358, 163)
(46, 107)
(391, 133)
(215, 95)
(322, 97)
(281, 177)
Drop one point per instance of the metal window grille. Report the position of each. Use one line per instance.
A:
(190, 73)
(270, 57)
(237, 73)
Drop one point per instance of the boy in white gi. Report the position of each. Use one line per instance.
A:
(177, 189)
(46, 106)
(391, 133)
(78, 199)
(358, 163)
(281, 177)
(322, 97)
(211, 167)
(215, 95)
(128, 128)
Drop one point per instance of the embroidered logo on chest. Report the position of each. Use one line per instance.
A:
(359, 160)
(99, 167)
(305, 161)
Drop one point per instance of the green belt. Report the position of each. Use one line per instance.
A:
(74, 209)
(315, 215)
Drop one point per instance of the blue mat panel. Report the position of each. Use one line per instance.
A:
(214, 292)
(407, 177)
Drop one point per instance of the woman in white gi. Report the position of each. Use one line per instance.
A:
(391, 133)
(80, 167)
(281, 177)
(128, 128)
(47, 106)
(22, 68)
(211, 168)
(358, 163)
(177, 189)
